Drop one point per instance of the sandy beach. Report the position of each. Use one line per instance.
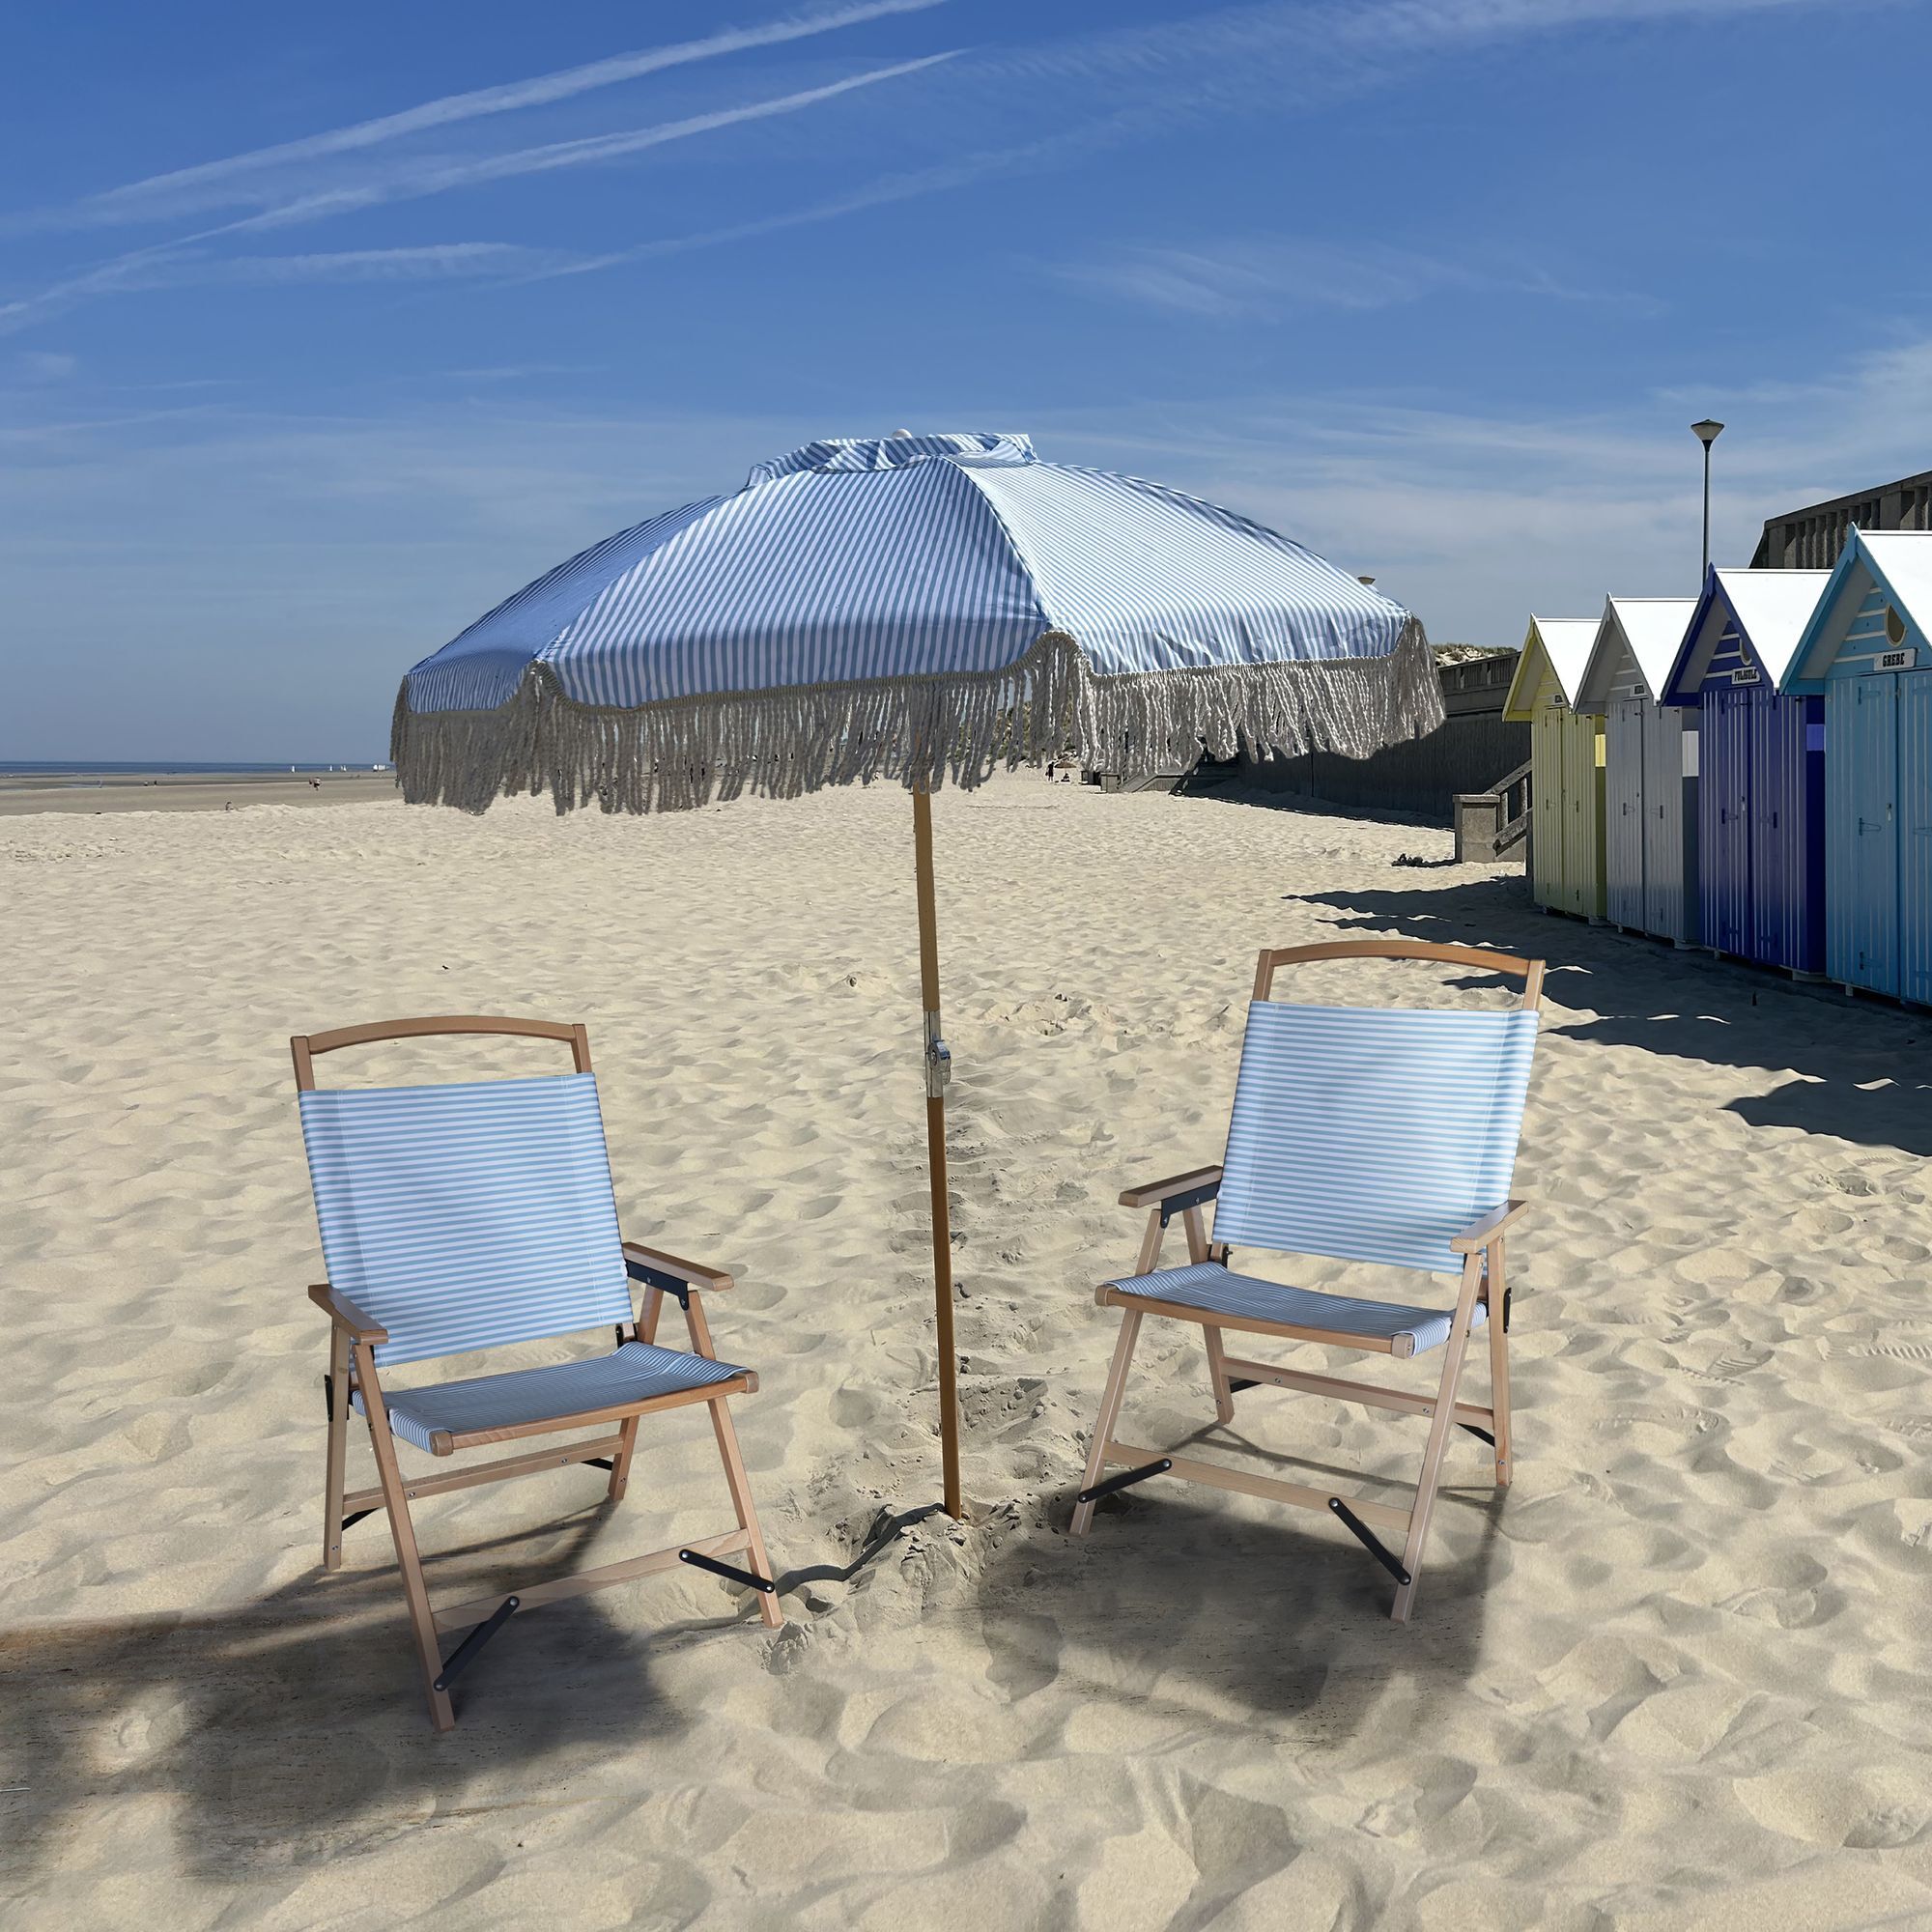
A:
(1676, 1680)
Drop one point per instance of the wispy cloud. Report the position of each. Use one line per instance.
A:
(168, 263)
(236, 176)
(1264, 276)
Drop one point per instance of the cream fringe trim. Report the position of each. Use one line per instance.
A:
(919, 731)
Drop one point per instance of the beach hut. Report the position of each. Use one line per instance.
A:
(1761, 768)
(1868, 651)
(1566, 778)
(1650, 767)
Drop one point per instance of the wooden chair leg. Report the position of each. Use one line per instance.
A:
(741, 1500)
(1110, 1414)
(1217, 1373)
(1440, 1426)
(334, 1477)
(620, 1464)
(422, 1622)
(1499, 1366)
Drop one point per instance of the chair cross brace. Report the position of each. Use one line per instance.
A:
(466, 1651)
(1125, 1479)
(1369, 1541)
(750, 1578)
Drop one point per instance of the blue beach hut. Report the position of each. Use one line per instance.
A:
(1868, 651)
(1761, 768)
(1650, 767)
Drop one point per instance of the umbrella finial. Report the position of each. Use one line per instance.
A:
(902, 432)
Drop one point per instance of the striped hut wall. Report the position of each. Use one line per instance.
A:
(1372, 1134)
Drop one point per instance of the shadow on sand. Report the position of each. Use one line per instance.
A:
(293, 1729)
(1281, 1616)
(1860, 1072)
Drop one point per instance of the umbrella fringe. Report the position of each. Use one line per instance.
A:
(918, 732)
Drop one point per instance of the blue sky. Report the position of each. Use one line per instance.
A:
(323, 329)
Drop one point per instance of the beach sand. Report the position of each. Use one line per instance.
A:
(1677, 1679)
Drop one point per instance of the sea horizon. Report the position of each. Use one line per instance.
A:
(40, 768)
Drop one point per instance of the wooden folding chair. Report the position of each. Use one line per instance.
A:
(1367, 1134)
(465, 1217)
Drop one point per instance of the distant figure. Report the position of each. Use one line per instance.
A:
(315, 784)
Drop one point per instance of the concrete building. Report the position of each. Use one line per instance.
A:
(1811, 538)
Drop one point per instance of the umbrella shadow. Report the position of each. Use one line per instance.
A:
(1281, 1615)
(1856, 1072)
(293, 1730)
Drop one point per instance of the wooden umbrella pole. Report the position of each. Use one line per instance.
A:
(937, 1069)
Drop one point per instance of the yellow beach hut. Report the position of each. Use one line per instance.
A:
(1566, 778)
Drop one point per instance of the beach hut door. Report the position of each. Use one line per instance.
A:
(1625, 754)
(1914, 786)
(1725, 793)
(1867, 763)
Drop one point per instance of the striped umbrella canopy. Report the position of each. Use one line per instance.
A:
(917, 609)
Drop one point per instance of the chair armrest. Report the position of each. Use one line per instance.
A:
(642, 1263)
(1478, 1234)
(1154, 1192)
(344, 1314)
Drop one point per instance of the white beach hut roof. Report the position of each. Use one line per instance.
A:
(1772, 609)
(1565, 644)
(1651, 628)
(1899, 562)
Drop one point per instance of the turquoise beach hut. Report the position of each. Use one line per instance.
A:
(1650, 767)
(1761, 769)
(1868, 651)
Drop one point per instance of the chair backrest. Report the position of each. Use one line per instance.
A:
(468, 1214)
(1375, 1134)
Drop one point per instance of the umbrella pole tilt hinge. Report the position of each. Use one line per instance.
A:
(467, 1650)
(1124, 1480)
(1369, 1541)
(729, 1571)
(938, 1058)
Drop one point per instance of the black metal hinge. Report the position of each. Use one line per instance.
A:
(1193, 1197)
(656, 1277)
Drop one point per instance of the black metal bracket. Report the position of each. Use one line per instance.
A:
(350, 1520)
(1369, 1541)
(329, 1395)
(730, 1572)
(1236, 1383)
(600, 1463)
(1124, 1480)
(656, 1277)
(466, 1651)
(1482, 1434)
(1192, 1197)
(1506, 1311)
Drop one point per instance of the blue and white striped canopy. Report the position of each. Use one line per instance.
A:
(916, 605)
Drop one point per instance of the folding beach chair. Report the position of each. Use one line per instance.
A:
(1367, 1134)
(466, 1216)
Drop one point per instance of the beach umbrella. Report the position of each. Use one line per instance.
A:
(915, 609)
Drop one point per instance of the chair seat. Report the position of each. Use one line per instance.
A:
(636, 1372)
(1216, 1289)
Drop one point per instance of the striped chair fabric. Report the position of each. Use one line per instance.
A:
(466, 1215)
(636, 1372)
(1211, 1286)
(1373, 1134)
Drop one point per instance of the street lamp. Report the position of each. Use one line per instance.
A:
(1707, 432)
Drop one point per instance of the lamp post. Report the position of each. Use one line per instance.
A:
(1707, 432)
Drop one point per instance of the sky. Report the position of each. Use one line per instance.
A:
(324, 329)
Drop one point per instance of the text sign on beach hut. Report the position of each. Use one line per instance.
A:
(1864, 649)
(1566, 754)
(1650, 767)
(1761, 768)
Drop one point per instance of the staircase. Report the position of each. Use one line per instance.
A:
(1491, 823)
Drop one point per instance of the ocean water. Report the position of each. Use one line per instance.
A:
(56, 768)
